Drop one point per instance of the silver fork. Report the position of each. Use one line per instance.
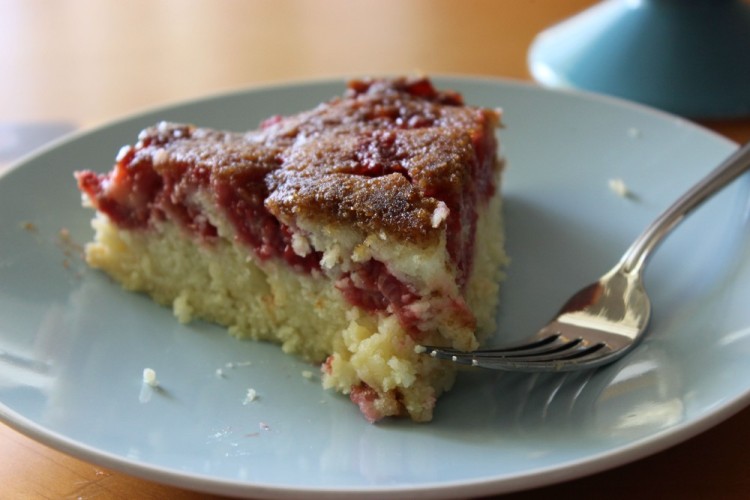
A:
(606, 319)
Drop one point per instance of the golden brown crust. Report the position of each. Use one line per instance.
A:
(382, 159)
(388, 204)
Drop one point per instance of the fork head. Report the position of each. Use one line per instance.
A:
(597, 325)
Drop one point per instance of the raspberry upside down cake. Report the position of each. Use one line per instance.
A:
(351, 234)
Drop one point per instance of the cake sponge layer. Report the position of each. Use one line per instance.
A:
(367, 355)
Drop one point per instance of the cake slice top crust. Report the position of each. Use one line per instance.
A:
(393, 157)
(382, 128)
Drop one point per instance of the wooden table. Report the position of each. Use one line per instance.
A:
(80, 63)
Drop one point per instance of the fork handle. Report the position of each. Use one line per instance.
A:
(635, 257)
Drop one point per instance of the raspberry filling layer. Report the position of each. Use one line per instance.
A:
(372, 288)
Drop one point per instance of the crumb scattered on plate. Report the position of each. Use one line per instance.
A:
(619, 187)
(307, 374)
(29, 226)
(149, 386)
(231, 365)
(149, 377)
(251, 396)
(634, 132)
(68, 244)
(221, 372)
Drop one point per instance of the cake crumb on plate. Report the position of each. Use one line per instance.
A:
(619, 187)
(149, 377)
(29, 226)
(251, 396)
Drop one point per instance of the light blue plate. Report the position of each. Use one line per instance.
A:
(73, 345)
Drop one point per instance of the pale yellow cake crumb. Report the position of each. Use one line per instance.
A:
(250, 396)
(149, 377)
(619, 187)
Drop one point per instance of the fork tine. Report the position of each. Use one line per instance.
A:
(552, 345)
(574, 351)
(546, 345)
(560, 357)
(591, 356)
(528, 345)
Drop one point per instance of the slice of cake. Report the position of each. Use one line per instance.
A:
(350, 234)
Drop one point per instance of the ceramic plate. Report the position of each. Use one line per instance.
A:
(73, 345)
